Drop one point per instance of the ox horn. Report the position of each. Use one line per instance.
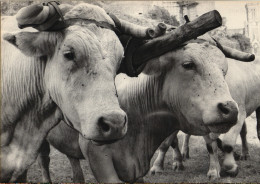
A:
(137, 31)
(41, 17)
(32, 14)
(235, 54)
(172, 40)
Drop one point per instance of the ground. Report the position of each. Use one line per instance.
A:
(195, 168)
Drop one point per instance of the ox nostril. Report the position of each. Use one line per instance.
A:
(125, 120)
(223, 108)
(103, 125)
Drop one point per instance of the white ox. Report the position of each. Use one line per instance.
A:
(188, 79)
(243, 80)
(48, 76)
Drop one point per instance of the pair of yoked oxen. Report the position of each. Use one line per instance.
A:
(59, 86)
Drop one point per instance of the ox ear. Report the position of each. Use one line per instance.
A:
(33, 43)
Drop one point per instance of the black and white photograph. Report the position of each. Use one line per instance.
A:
(116, 91)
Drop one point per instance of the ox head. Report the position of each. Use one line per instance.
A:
(193, 75)
(80, 66)
(194, 87)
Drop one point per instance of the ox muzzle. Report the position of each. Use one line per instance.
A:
(227, 116)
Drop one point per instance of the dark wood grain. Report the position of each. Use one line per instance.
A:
(172, 40)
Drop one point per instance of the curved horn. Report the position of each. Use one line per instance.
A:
(235, 54)
(178, 36)
(160, 29)
(41, 17)
(32, 14)
(132, 29)
(136, 30)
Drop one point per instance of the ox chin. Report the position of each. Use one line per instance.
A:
(220, 127)
(100, 143)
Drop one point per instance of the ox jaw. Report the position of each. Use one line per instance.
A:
(225, 119)
(100, 143)
(222, 127)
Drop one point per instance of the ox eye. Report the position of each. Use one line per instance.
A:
(188, 66)
(69, 55)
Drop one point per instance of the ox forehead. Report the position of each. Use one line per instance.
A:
(205, 53)
(193, 55)
(100, 45)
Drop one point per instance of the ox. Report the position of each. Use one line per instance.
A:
(49, 76)
(188, 79)
(244, 89)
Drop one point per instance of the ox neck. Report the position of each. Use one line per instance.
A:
(143, 93)
(150, 121)
(25, 74)
(25, 92)
(25, 107)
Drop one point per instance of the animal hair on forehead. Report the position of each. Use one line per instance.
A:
(88, 11)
